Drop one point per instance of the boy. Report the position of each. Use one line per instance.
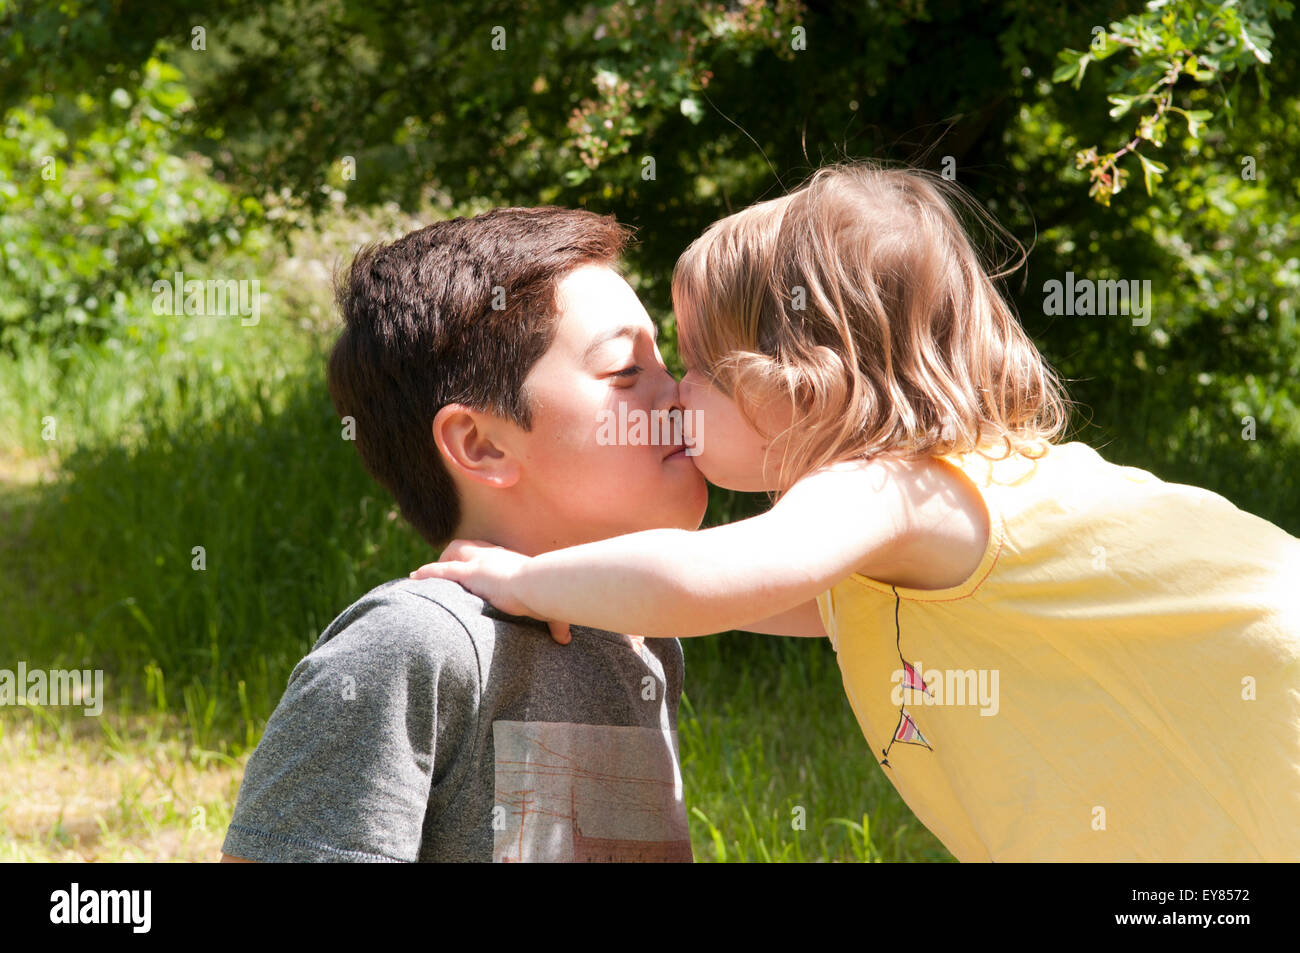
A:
(425, 725)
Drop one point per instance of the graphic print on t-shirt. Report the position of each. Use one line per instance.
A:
(570, 792)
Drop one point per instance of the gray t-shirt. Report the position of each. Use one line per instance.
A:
(426, 725)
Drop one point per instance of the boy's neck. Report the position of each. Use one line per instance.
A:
(529, 540)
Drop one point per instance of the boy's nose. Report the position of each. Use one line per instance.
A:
(672, 395)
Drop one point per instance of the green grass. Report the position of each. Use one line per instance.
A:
(113, 788)
(198, 560)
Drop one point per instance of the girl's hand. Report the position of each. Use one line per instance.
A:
(488, 571)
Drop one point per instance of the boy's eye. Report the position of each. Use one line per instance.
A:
(629, 371)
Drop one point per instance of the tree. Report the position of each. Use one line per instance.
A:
(672, 114)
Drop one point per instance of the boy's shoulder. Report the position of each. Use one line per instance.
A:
(424, 609)
(423, 612)
(440, 625)
(440, 616)
(434, 597)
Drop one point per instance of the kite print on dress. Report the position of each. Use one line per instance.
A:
(906, 731)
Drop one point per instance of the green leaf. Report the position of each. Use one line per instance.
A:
(1258, 42)
(1195, 119)
(1073, 63)
(1152, 171)
(1122, 104)
(1083, 65)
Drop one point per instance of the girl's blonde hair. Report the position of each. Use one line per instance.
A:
(859, 301)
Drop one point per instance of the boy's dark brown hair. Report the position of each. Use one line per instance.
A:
(457, 312)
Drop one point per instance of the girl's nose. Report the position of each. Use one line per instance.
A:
(688, 389)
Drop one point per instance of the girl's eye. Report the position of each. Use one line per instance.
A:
(629, 371)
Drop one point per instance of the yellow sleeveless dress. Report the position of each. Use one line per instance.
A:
(1119, 680)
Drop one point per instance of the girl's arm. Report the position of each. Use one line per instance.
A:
(677, 583)
(803, 621)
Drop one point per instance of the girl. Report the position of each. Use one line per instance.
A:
(846, 350)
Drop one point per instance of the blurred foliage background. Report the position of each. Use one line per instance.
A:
(267, 140)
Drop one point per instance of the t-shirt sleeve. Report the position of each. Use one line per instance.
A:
(374, 731)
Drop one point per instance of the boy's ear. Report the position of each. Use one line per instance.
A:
(474, 444)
